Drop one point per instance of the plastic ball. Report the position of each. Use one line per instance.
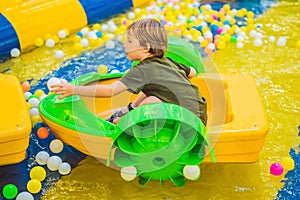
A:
(62, 34)
(102, 69)
(288, 163)
(114, 71)
(27, 95)
(42, 97)
(128, 173)
(59, 54)
(96, 26)
(42, 133)
(39, 42)
(191, 172)
(276, 169)
(240, 45)
(84, 42)
(84, 30)
(53, 81)
(298, 44)
(25, 86)
(281, 41)
(10, 191)
(24, 196)
(39, 93)
(35, 119)
(64, 168)
(110, 44)
(42, 157)
(53, 163)
(56, 146)
(272, 39)
(34, 112)
(34, 186)
(38, 173)
(15, 52)
(77, 47)
(257, 42)
(34, 102)
(50, 43)
(131, 15)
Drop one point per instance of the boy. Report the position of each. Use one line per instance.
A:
(156, 78)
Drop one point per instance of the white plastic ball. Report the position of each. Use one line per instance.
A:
(15, 52)
(191, 172)
(56, 146)
(110, 44)
(24, 196)
(128, 173)
(240, 45)
(53, 163)
(272, 39)
(43, 96)
(104, 27)
(62, 34)
(34, 112)
(50, 43)
(53, 81)
(92, 35)
(84, 31)
(240, 38)
(252, 33)
(257, 42)
(131, 15)
(59, 54)
(64, 168)
(42, 157)
(84, 42)
(27, 94)
(34, 102)
(112, 28)
(211, 46)
(281, 41)
(114, 71)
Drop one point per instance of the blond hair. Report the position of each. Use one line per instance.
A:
(150, 34)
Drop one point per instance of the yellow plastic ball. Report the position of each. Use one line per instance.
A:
(39, 42)
(102, 69)
(221, 45)
(77, 47)
(288, 163)
(35, 119)
(34, 186)
(298, 44)
(96, 27)
(39, 93)
(240, 14)
(56, 39)
(38, 173)
(76, 38)
(203, 43)
(250, 14)
(231, 21)
(226, 7)
(244, 29)
(67, 31)
(28, 105)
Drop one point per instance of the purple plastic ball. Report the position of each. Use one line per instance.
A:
(276, 169)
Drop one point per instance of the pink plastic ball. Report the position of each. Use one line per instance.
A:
(219, 30)
(276, 169)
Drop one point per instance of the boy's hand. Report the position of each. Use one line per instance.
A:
(65, 89)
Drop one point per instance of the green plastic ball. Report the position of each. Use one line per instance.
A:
(10, 191)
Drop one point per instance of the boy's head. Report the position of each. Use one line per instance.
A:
(151, 34)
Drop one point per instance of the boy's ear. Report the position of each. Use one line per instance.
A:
(147, 49)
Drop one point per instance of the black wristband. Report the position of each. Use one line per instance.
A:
(130, 107)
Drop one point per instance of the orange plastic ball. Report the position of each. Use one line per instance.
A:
(42, 133)
(25, 86)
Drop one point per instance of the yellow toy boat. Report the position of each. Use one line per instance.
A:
(15, 123)
(162, 141)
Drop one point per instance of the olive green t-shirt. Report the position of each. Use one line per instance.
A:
(168, 81)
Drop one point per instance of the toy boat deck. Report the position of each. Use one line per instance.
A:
(15, 123)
